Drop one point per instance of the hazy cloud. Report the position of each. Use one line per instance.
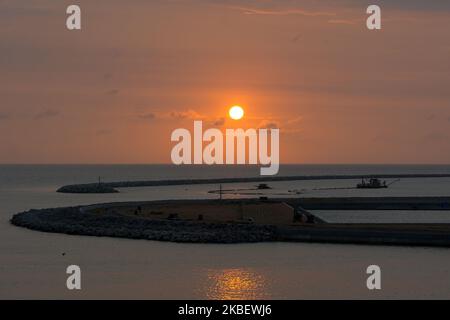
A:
(103, 132)
(189, 114)
(343, 21)
(4, 116)
(148, 116)
(295, 120)
(314, 7)
(283, 12)
(269, 125)
(436, 137)
(219, 122)
(46, 114)
(288, 126)
(113, 92)
(297, 37)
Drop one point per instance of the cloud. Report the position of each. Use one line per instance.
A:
(419, 5)
(49, 113)
(148, 116)
(189, 114)
(343, 21)
(287, 126)
(269, 125)
(219, 122)
(283, 12)
(329, 8)
(176, 115)
(323, 5)
(295, 120)
(103, 132)
(297, 37)
(113, 92)
(4, 116)
(436, 137)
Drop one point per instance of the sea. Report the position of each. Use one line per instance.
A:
(33, 264)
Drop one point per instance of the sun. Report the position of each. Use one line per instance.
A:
(236, 112)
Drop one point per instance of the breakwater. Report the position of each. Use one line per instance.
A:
(74, 221)
(110, 187)
(86, 220)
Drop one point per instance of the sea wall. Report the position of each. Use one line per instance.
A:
(108, 187)
(433, 235)
(84, 221)
(372, 203)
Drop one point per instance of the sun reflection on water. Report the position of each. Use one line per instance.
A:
(236, 284)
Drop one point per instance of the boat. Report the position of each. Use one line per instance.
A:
(372, 183)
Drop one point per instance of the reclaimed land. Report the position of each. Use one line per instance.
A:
(110, 187)
(82, 220)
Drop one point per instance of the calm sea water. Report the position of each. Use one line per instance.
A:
(32, 264)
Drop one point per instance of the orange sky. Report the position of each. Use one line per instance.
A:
(114, 92)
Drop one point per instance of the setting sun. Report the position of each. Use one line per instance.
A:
(236, 113)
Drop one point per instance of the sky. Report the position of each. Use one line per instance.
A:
(114, 91)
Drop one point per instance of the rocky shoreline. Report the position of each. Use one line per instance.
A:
(73, 221)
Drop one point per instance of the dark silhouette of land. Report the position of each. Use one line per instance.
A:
(110, 187)
(126, 220)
